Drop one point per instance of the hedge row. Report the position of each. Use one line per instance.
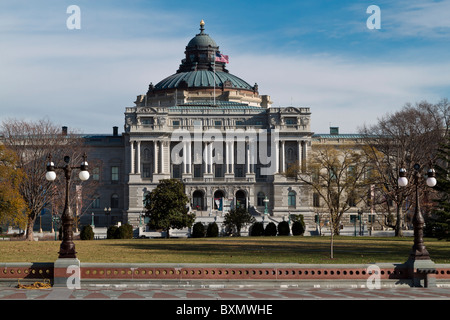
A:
(198, 230)
(257, 229)
(123, 232)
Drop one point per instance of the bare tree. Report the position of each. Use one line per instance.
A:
(402, 139)
(340, 177)
(33, 141)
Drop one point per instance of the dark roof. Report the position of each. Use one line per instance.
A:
(201, 78)
(338, 136)
(219, 105)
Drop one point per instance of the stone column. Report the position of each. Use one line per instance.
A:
(277, 156)
(155, 157)
(211, 157)
(304, 154)
(205, 158)
(283, 156)
(227, 162)
(184, 156)
(248, 156)
(161, 147)
(132, 157)
(138, 157)
(232, 156)
(189, 157)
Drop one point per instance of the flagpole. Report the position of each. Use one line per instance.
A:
(214, 80)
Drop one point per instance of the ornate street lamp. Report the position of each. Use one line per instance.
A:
(266, 202)
(266, 209)
(419, 252)
(360, 212)
(67, 248)
(107, 214)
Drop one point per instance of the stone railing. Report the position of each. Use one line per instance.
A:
(336, 274)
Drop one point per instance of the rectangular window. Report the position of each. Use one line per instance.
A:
(147, 121)
(175, 123)
(218, 171)
(198, 171)
(176, 171)
(316, 200)
(217, 123)
(96, 203)
(351, 172)
(238, 171)
(115, 174)
(291, 199)
(146, 170)
(290, 121)
(96, 174)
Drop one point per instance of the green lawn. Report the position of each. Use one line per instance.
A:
(229, 250)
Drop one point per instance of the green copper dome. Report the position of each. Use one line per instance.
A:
(202, 39)
(197, 69)
(201, 78)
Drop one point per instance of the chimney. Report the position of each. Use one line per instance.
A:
(64, 131)
(115, 131)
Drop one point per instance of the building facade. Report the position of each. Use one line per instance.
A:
(219, 135)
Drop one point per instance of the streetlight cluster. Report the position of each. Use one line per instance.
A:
(419, 252)
(51, 174)
(67, 248)
(403, 181)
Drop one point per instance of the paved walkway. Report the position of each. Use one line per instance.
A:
(260, 293)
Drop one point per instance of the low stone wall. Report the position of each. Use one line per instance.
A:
(241, 274)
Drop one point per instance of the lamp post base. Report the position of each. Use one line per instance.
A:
(422, 271)
(67, 273)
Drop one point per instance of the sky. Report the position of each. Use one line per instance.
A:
(319, 54)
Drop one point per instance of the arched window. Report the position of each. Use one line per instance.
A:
(198, 200)
(241, 199)
(114, 201)
(291, 198)
(261, 197)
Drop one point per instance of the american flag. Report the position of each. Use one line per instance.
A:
(221, 58)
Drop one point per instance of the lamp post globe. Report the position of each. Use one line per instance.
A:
(431, 180)
(50, 175)
(83, 175)
(402, 180)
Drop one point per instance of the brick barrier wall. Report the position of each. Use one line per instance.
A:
(25, 271)
(148, 273)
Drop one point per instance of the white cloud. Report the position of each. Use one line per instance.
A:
(342, 92)
(86, 78)
(418, 19)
